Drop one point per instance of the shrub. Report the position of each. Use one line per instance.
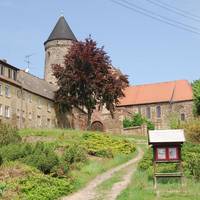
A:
(61, 169)
(74, 153)
(174, 121)
(147, 160)
(138, 120)
(1, 160)
(8, 134)
(150, 125)
(192, 130)
(103, 145)
(44, 188)
(12, 152)
(196, 96)
(2, 188)
(191, 158)
(39, 156)
(43, 158)
(127, 123)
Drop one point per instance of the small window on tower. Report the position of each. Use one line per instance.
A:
(49, 53)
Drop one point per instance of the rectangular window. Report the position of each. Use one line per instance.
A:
(2, 70)
(9, 73)
(7, 91)
(7, 111)
(1, 109)
(1, 89)
(148, 112)
(14, 75)
(158, 111)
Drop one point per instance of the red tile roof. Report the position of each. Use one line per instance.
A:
(172, 91)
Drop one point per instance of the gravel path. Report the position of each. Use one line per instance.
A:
(89, 192)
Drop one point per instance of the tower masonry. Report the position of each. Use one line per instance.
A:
(56, 47)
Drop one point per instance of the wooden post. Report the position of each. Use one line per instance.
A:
(155, 179)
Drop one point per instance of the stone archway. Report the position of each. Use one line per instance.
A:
(97, 126)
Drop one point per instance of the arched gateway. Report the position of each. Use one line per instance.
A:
(97, 126)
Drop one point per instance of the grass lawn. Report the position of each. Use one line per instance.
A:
(141, 188)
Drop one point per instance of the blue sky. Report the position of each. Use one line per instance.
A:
(145, 49)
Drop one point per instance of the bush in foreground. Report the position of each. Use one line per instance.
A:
(44, 188)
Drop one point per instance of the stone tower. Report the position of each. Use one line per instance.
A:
(56, 47)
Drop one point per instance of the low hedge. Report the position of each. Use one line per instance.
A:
(102, 145)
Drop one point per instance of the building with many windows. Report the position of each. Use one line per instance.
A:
(28, 101)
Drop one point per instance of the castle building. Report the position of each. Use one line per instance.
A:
(27, 101)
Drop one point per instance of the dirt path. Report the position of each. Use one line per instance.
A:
(89, 192)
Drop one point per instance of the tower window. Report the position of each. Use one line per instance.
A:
(48, 53)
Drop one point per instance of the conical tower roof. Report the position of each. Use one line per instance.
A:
(61, 31)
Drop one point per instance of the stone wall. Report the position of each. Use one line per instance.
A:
(137, 130)
(161, 122)
(54, 54)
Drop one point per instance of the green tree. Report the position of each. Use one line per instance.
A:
(196, 96)
(88, 80)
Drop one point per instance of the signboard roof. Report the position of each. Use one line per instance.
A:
(166, 136)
